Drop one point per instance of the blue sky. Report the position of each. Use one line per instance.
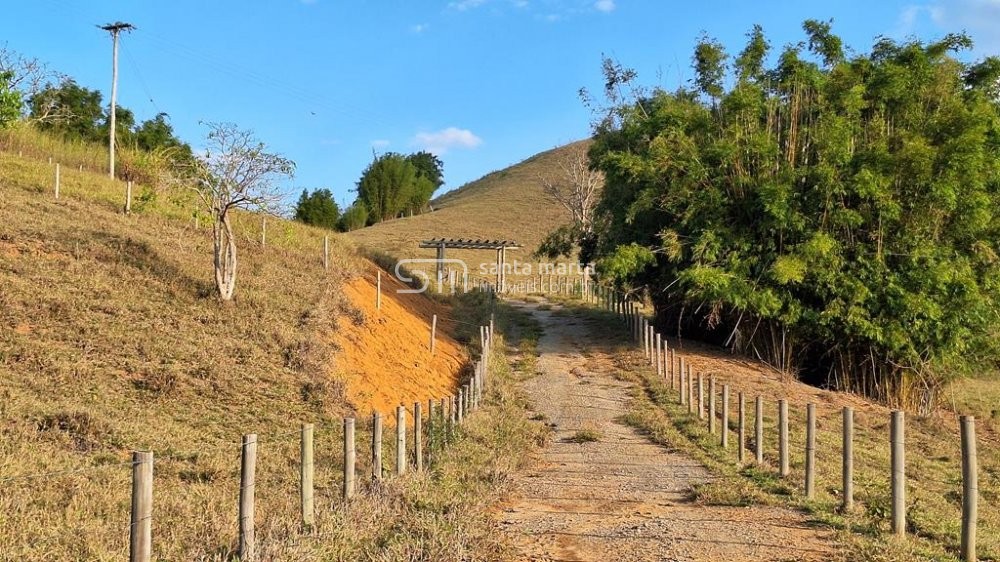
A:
(483, 83)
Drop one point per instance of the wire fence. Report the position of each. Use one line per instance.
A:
(673, 368)
(438, 428)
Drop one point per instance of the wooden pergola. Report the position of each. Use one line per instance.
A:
(501, 247)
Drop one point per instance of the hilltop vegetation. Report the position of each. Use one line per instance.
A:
(505, 204)
(833, 214)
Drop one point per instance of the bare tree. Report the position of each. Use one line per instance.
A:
(235, 172)
(28, 75)
(575, 185)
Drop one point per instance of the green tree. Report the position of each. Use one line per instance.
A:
(318, 209)
(157, 133)
(835, 214)
(430, 177)
(355, 217)
(10, 100)
(69, 109)
(124, 124)
(388, 187)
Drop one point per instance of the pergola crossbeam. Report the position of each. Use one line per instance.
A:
(500, 246)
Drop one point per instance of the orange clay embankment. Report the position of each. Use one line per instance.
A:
(386, 360)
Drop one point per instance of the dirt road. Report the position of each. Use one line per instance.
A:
(602, 491)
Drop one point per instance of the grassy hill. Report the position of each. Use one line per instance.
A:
(111, 340)
(506, 204)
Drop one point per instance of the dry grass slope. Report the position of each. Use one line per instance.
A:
(111, 340)
(506, 204)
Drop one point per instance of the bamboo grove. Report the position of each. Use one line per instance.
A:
(835, 215)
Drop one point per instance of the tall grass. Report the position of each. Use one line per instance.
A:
(26, 140)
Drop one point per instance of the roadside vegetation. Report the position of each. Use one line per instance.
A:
(833, 214)
(934, 481)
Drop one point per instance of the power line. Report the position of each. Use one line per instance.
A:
(142, 82)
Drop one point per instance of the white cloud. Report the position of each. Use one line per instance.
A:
(605, 6)
(463, 5)
(419, 28)
(980, 18)
(439, 142)
(380, 143)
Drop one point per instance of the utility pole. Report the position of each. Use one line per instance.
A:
(114, 29)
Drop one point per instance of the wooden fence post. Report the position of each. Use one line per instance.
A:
(326, 253)
(810, 451)
(444, 428)
(725, 416)
(783, 437)
(652, 349)
(57, 178)
(400, 440)
(682, 388)
(898, 456)
(376, 446)
(664, 358)
(349, 453)
(711, 404)
(434, 327)
(970, 489)
(418, 450)
(758, 429)
(306, 497)
(432, 426)
(701, 397)
(848, 462)
(659, 355)
(673, 360)
(452, 415)
(691, 399)
(248, 470)
(263, 224)
(741, 425)
(141, 528)
(128, 197)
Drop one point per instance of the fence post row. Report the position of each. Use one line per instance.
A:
(810, 483)
(898, 444)
(376, 446)
(248, 469)
(701, 397)
(306, 496)
(970, 489)
(141, 528)
(741, 424)
(711, 404)
(783, 437)
(349, 452)
(848, 461)
(418, 451)
(759, 430)
(434, 324)
(400, 440)
(725, 416)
